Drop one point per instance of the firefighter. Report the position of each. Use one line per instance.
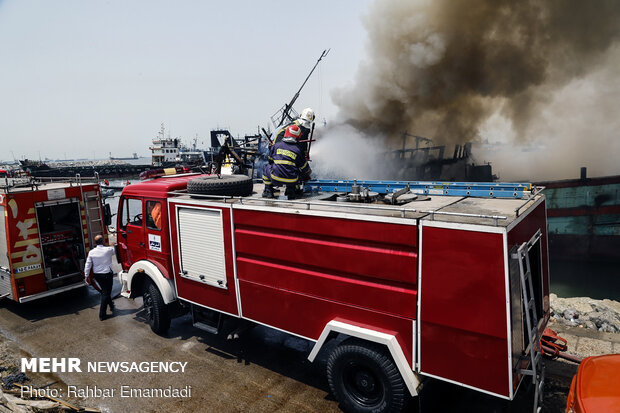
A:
(289, 164)
(304, 121)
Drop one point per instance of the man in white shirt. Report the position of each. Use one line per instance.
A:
(100, 261)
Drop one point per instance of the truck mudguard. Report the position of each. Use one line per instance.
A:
(389, 340)
(152, 271)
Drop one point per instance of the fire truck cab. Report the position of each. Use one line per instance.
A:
(441, 280)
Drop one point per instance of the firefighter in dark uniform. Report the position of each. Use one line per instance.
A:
(289, 164)
(304, 121)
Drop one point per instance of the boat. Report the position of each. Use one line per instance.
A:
(429, 162)
(42, 170)
(164, 151)
(169, 152)
(584, 217)
(107, 192)
(134, 156)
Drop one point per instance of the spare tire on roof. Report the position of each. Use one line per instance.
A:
(229, 185)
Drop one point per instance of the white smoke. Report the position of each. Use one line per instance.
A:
(342, 152)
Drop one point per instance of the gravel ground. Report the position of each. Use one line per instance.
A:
(266, 372)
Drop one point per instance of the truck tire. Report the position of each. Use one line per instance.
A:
(230, 185)
(364, 379)
(156, 310)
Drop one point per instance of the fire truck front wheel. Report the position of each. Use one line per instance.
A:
(156, 310)
(364, 378)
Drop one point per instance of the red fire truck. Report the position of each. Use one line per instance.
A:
(46, 230)
(422, 280)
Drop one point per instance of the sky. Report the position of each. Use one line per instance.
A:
(86, 79)
(80, 79)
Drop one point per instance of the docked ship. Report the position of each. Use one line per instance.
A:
(167, 152)
(584, 217)
(85, 169)
(134, 156)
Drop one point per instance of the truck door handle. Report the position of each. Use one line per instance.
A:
(130, 232)
(141, 244)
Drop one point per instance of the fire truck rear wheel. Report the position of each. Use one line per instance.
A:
(364, 378)
(230, 185)
(156, 310)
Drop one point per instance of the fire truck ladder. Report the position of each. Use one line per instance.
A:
(536, 368)
(88, 201)
(97, 214)
(517, 190)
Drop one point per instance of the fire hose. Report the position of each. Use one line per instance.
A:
(554, 346)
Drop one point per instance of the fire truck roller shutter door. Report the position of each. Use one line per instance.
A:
(228, 185)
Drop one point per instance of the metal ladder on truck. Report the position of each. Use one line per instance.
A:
(536, 368)
(515, 190)
(91, 211)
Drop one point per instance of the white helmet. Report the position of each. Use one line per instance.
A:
(307, 117)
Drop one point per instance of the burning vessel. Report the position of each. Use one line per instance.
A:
(429, 163)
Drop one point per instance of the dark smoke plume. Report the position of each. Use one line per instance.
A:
(441, 68)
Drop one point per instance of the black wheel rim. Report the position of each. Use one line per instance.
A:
(363, 384)
(148, 305)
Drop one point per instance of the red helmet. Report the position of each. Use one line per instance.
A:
(293, 131)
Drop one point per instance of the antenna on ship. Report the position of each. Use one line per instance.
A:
(284, 113)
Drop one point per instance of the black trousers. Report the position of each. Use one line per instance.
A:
(105, 282)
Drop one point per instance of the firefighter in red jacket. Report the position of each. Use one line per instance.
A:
(289, 164)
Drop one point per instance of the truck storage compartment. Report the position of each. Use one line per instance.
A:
(62, 244)
(472, 324)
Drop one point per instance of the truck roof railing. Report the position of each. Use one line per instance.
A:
(24, 181)
(9, 183)
(495, 218)
(393, 208)
(308, 204)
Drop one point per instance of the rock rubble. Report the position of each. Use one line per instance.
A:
(586, 312)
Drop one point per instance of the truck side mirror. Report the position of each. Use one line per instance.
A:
(107, 215)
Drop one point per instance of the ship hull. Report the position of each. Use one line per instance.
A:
(104, 171)
(584, 218)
